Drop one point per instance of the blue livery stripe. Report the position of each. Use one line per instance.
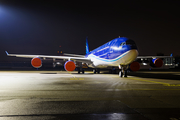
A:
(109, 60)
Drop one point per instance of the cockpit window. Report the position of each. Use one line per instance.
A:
(131, 43)
(123, 43)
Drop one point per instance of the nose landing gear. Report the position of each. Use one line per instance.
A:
(96, 71)
(123, 71)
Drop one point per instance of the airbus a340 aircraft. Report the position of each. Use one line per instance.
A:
(120, 52)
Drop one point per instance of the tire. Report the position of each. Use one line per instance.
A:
(94, 71)
(98, 71)
(79, 71)
(120, 74)
(125, 73)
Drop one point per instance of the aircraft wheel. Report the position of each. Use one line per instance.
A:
(125, 73)
(78, 69)
(98, 71)
(120, 74)
(82, 71)
(94, 71)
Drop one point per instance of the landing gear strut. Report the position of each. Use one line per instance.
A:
(96, 71)
(120, 74)
(80, 70)
(123, 71)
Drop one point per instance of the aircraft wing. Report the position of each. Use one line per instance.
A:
(139, 57)
(79, 59)
(74, 55)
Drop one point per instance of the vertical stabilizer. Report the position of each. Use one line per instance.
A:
(87, 46)
(171, 55)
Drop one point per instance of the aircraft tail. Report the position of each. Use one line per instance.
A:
(87, 46)
(171, 55)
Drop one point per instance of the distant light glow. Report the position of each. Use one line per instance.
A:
(144, 63)
(1, 11)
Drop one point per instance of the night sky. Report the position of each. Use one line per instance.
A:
(40, 27)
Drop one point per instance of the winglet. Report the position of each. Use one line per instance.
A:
(87, 46)
(7, 53)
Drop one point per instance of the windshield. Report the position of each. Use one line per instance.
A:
(131, 43)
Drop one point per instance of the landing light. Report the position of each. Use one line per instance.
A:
(144, 63)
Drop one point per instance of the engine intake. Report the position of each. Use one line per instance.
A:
(36, 62)
(69, 66)
(135, 66)
(157, 62)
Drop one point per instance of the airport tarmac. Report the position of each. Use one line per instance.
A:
(51, 95)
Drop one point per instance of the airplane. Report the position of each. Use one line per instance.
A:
(120, 52)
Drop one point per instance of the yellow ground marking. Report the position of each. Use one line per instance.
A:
(166, 84)
(152, 89)
(74, 78)
(162, 83)
(173, 85)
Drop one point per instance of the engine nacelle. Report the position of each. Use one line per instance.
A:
(36, 62)
(69, 66)
(157, 62)
(135, 66)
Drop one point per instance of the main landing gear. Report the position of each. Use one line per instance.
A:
(80, 70)
(123, 71)
(96, 71)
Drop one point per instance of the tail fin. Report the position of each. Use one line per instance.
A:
(87, 46)
(171, 55)
(7, 53)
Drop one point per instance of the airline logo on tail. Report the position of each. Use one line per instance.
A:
(87, 46)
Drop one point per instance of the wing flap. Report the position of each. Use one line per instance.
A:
(139, 57)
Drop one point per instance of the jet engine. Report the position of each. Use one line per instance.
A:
(36, 62)
(69, 66)
(134, 66)
(157, 62)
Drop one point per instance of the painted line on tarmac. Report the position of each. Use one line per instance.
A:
(74, 78)
(174, 85)
(152, 89)
(71, 74)
(165, 84)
